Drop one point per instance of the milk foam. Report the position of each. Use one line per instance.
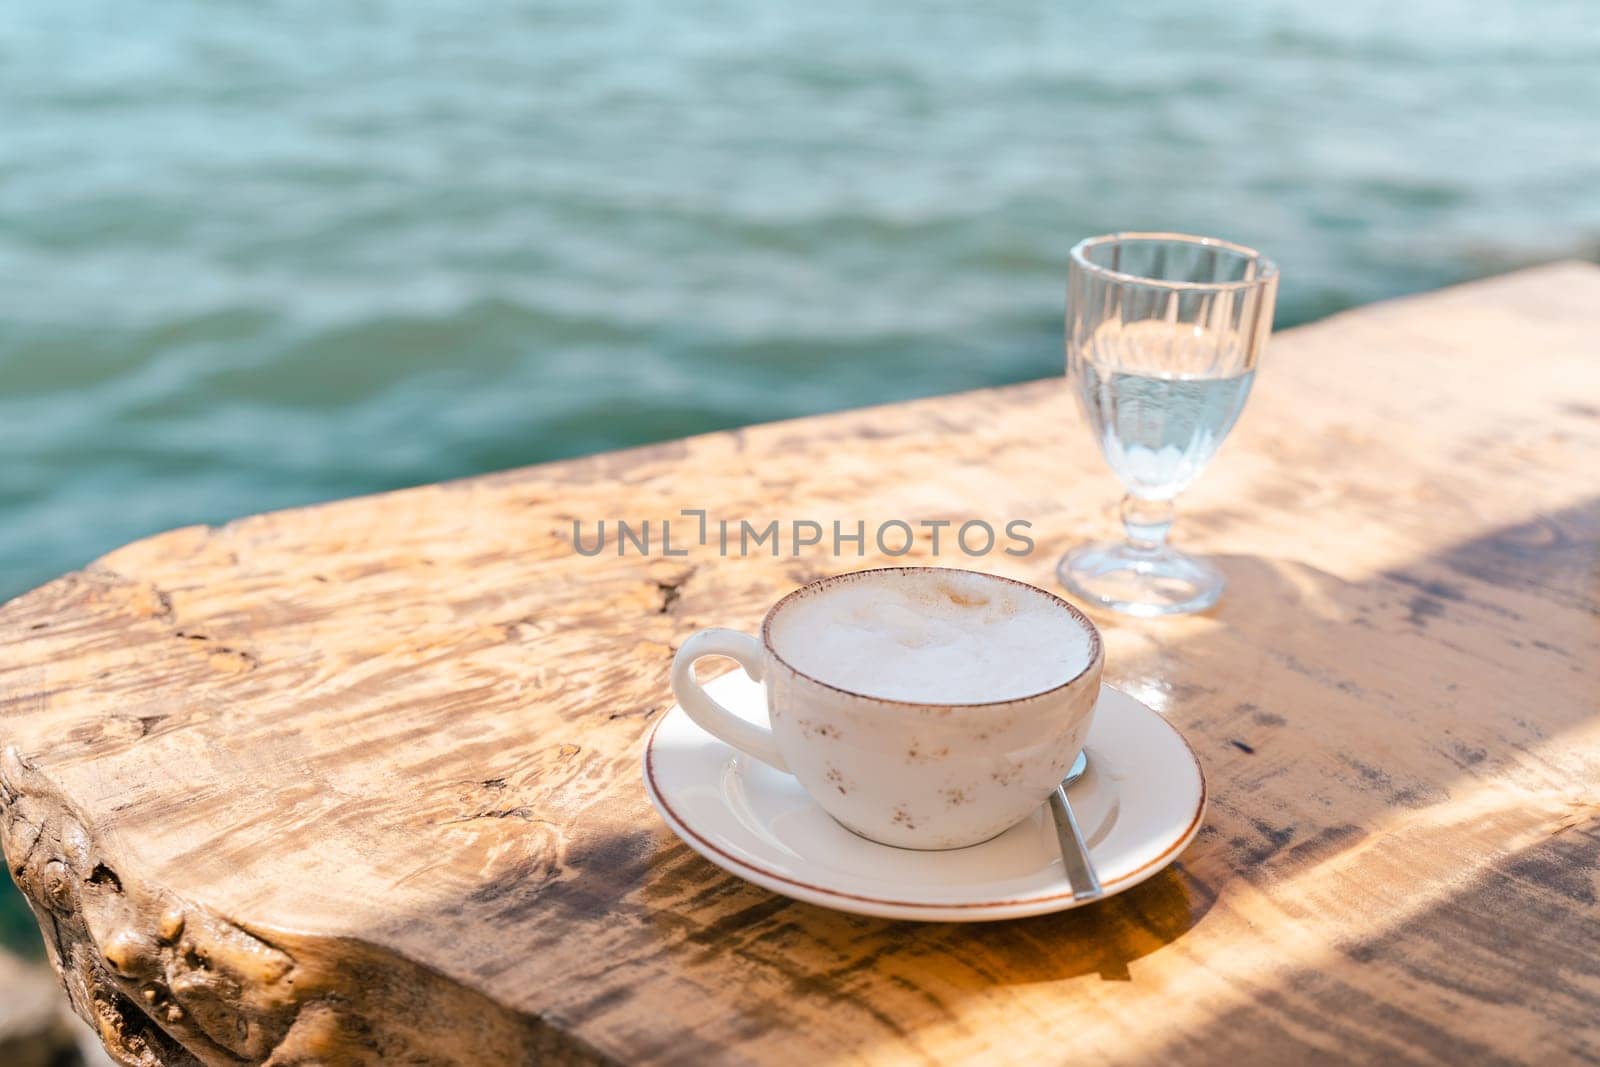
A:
(938, 637)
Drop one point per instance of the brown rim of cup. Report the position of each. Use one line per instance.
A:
(1096, 649)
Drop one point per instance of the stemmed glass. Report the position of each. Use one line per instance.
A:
(1163, 335)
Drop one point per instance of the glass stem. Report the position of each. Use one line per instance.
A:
(1147, 522)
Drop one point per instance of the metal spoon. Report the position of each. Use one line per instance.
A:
(1074, 853)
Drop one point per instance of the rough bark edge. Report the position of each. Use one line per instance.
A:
(166, 982)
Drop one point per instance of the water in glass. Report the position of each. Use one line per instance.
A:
(1158, 425)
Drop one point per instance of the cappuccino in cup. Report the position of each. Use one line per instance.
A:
(922, 707)
(932, 636)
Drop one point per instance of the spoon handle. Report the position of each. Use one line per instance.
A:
(1074, 854)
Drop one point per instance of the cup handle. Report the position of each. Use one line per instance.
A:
(712, 717)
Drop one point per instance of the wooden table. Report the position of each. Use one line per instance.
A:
(360, 782)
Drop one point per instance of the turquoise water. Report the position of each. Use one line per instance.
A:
(256, 255)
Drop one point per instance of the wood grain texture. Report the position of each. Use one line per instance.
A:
(359, 783)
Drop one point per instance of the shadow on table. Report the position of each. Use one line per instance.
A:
(1518, 945)
(1102, 940)
(1512, 959)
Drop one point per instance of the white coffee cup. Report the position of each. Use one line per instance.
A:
(912, 770)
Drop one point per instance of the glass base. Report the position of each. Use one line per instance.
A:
(1143, 582)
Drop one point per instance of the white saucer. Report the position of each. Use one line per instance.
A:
(1140, 803)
